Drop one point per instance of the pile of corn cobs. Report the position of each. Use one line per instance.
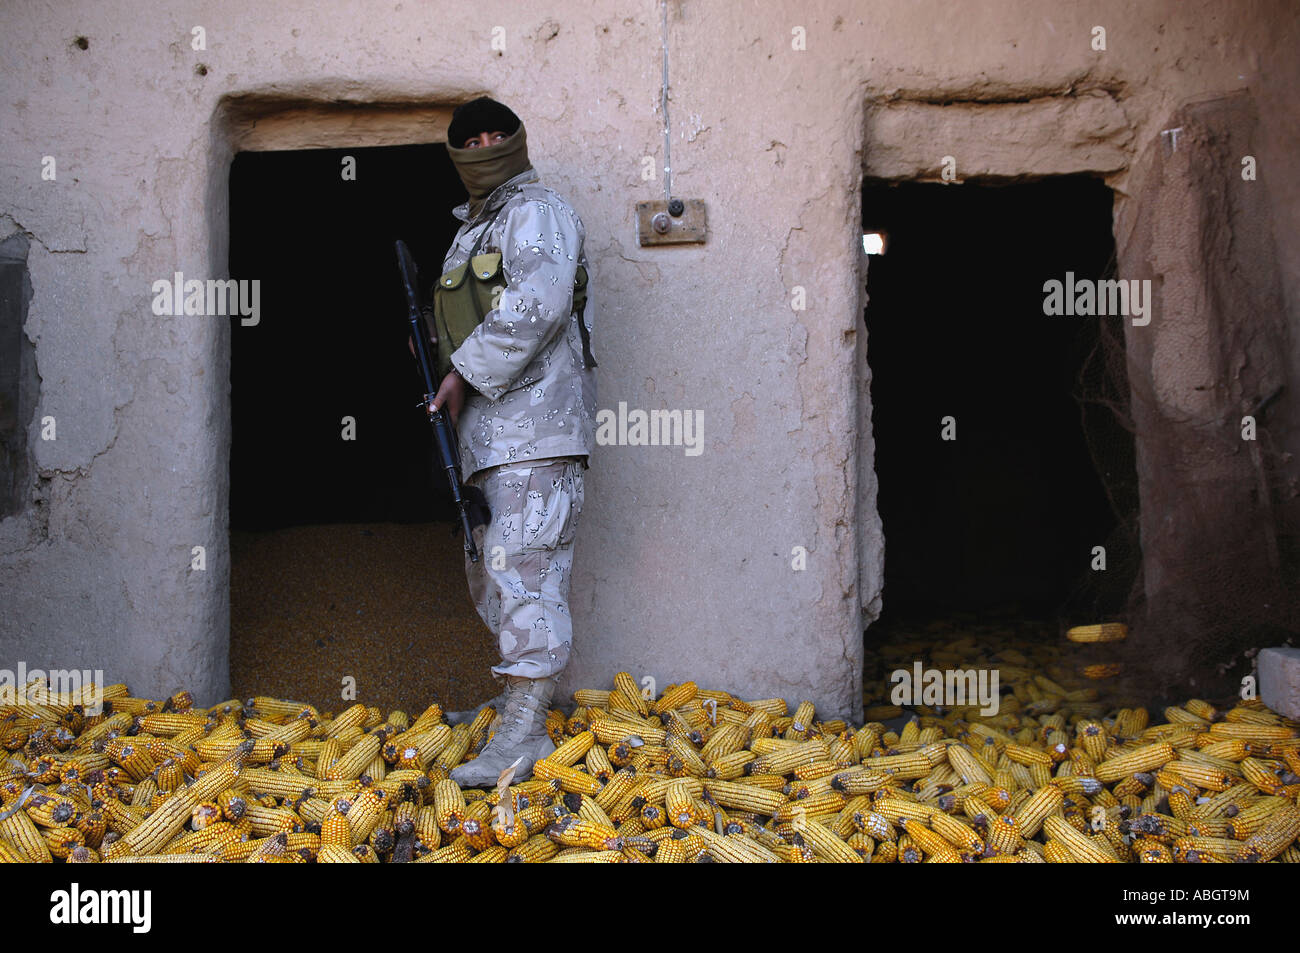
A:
(692, 775)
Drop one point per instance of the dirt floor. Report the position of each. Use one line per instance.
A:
(386, 604)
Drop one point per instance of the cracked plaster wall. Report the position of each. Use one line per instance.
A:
(684, 568)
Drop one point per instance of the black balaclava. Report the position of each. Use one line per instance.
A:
(484, 168)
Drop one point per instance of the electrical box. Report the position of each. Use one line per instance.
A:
(675, 222)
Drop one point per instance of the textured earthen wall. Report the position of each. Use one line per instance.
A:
(684, 568)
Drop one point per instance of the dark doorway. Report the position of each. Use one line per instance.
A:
(1003, 519)
(331, 342)
(343, 565)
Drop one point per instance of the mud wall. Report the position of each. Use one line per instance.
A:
(687, 564)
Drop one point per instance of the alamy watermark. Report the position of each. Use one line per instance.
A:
(947, 687)
(77, 906)
(83, 687)
(216, 296)
(654, 428)
(1088, 298)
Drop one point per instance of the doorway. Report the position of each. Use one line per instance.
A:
(1000, 469)
(343, 569)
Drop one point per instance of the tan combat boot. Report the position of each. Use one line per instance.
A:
(465, 717)
(520, 734)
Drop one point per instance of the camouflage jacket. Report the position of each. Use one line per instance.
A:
(530, 395)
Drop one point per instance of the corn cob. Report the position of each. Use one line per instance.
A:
(1004, 835)
(149, 836)
(1272, 839)
(449, 805)
(478, 835)
(609, 730)
(679, 806)
(571, 832)
(622, 781)
(902, 766)
(1194, 849)
(683, 758)
(746, 797)
(570, 779)
(573, 749)
(927, 841)
(334, 854)
(1145, 758)
(536, 850)
(213, 838)
(729, 767)
(671, 851)
(1260, 774)
(266, 821)
(457, 745)
(524, 825)
(1246, 731)
(1246, 818)
(598, 765)
(427, 828)
(354, 761)
(1079, 846)
(736, 849)
(675, 696)
(785, 760)
(624, 683)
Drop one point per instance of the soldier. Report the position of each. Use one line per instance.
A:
(520, 388)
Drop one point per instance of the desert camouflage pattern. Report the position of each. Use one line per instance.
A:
(520, 583)
(531, 396)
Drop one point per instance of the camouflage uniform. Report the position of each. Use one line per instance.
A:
(528, 423)
(521, 581)
(530, 395)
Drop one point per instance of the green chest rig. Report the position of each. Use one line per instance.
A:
(465, 295)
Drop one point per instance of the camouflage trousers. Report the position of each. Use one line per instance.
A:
(521, 582)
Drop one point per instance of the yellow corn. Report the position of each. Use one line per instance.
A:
(624, 683)
(457, 745)
(1261, 775)
(573, 750)
(427, 828)
(1105, 632)
(746, 797)
(571, 832)
(570, 779)
(675, 696)
(1269, 841)
(536, 850)
(1246, 731)
(19, 831)
(930, 843)
(1145, 758)
(449, 806)
(365, 812)
(1081, 847)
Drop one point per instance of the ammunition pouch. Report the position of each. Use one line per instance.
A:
(464, 296)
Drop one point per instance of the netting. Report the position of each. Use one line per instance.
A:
(1198, 561)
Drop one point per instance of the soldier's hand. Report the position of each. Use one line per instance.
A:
(410, 342)
(451, 394)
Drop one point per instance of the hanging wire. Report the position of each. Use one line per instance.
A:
(668, 171)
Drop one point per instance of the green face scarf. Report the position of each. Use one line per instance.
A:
(484, 168)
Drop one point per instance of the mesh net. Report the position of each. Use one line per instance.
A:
(1212, 589)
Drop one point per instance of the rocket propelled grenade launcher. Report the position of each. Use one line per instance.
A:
(470, 502)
